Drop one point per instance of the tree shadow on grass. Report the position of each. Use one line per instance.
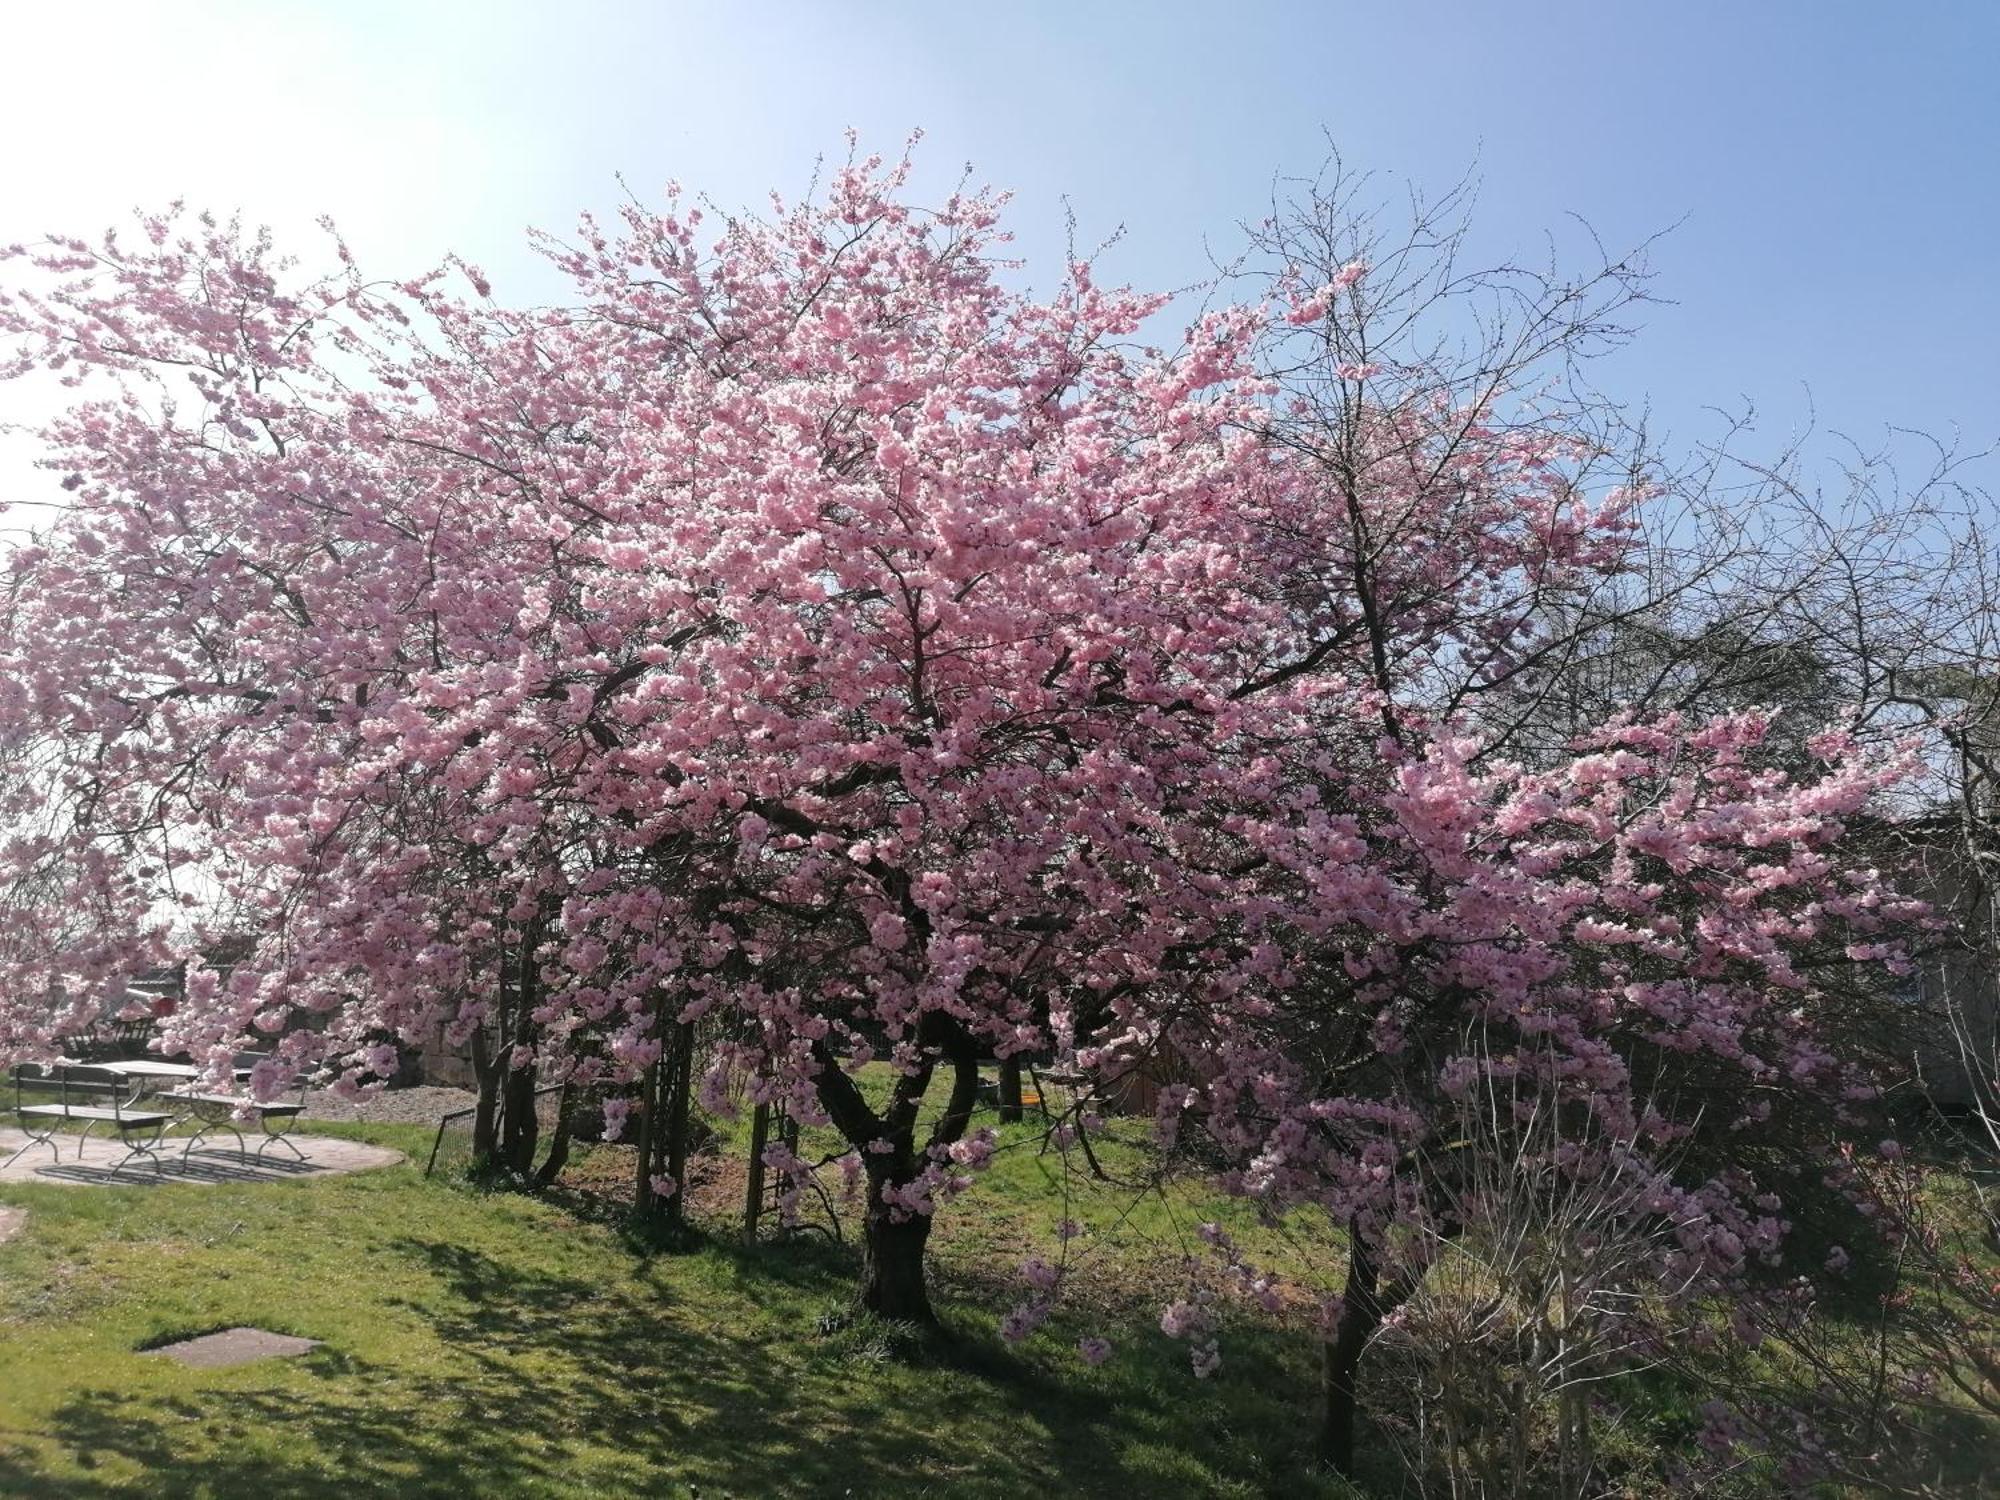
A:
(552, 1385)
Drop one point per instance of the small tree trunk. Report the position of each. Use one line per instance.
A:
(486, 1109)
(1010, 1090)
(892, 1263)
(753, 1192)
(642, 1171)
(680, 1085)
(521, 1128)
(1360, 1316)
(558, 1156)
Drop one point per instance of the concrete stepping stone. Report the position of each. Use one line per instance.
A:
(233, 1346)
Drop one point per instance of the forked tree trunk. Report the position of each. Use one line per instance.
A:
(558, 1156)
(892, 1240)
(520, 1127)
(892, 1263)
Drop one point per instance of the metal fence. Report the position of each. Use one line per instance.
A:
(451, 1150)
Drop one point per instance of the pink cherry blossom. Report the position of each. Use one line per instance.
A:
(796, 626)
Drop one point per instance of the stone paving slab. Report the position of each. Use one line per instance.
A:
(233, 1346)
(94, 1166)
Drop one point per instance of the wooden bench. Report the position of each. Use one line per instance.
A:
(89, 1094)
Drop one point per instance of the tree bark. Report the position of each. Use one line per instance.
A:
(1365, 1303)
(486, 1109)
(1361, 1314)
(753, 1191)
(892, 1263)
(1010, 1090)
(521, 1128)
(892, 1249)
(558, 1156)
(679, 1086)
(643, 1115)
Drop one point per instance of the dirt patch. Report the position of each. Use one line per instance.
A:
(11, 1220)
(234, 1346)
(715, 1185)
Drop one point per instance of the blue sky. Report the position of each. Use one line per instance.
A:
(1831, 167)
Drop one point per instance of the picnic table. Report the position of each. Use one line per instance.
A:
(139, 1071)
(107, 1095)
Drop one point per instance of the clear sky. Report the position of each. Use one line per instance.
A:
(1832, 166)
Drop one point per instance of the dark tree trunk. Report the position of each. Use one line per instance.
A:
(521, 1128)
(753, 1192)
(486, 1109)
(680, 1085)
(892, 1249)
(643, 1113)
(558, 1156)
(1365, 1303)
(1010, 1090)
(892, 1264)
(1361, 1314)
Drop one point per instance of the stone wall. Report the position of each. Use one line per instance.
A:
(440, 1063)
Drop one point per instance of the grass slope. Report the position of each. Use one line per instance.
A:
(495, 1345)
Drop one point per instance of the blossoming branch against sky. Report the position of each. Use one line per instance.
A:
(1828, 165)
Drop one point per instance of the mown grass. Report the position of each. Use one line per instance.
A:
(496, 1344)
(1139, 1236)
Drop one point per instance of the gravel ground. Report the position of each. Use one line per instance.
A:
(423, 1105)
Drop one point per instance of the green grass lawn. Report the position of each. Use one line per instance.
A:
(490, 1344)
(480, 1344)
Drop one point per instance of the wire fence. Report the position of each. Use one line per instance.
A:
(452, 1148)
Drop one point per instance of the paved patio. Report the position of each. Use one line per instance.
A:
(325, 1157)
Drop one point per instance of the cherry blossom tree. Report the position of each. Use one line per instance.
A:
(800, 632)
(1659, 931)
(797, 626)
